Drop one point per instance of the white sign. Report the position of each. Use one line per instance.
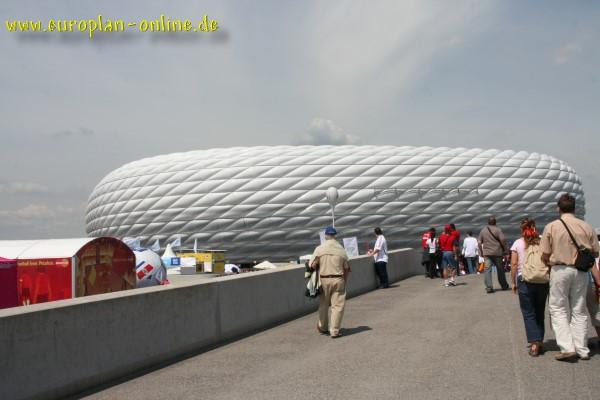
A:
(322, 236)
(351, 246)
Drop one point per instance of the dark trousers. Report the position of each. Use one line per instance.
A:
(432, 267)
(381, 271)
(498, 261)
(532, 299)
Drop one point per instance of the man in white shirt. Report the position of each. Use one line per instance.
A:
(471, 252)
(380, 253)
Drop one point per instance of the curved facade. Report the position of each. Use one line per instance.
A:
(269, 202)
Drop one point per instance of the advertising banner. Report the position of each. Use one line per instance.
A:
(44, 279)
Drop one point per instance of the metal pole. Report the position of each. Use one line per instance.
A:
(333, 216)
(332, 196)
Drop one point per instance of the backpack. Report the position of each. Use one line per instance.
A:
(534, 270)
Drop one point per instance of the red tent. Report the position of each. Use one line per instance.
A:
(57, 269)
(8, 283)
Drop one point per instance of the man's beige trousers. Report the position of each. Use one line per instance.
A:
(333, 294)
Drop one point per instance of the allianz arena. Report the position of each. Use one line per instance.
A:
(269, 202)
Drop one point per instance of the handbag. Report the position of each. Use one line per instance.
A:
(481, 267)
(585, 259)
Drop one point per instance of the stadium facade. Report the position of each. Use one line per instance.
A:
(269, 202)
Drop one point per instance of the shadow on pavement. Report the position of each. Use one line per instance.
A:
(358, 329)
(594, 346)
(550, 345)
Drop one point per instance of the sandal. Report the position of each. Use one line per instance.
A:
(534, 351)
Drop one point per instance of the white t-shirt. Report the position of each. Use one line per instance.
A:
(519, 247)
(432, 245)
(381, 245)
(470, 247)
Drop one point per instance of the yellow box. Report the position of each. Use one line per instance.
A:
(208, 260)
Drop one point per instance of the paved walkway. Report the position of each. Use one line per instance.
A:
(416, 340)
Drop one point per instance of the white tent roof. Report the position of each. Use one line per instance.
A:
(265, 265)
(45, 248)
(168, 252)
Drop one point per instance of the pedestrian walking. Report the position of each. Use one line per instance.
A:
(449, 262)
(492, 246)
(432, 247)
(593, 300)
(470, 251)
(593, 295)
(331, 260)
(425, 258)
(380, 254)
(455, 233)
(562, 245)
(530, 277)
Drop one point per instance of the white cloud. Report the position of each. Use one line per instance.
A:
(81, 132)
(37, 213)
(31, 211)
(563, 54)
(455, 40)
(371, 52)
(323, 131)
(22, 188)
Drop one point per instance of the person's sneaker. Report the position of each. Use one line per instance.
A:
(488, 291)
(321, 331)
(452, 283)
(446, 284)
(570, 356)
(585, 357)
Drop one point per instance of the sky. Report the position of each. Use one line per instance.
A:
(519, 75)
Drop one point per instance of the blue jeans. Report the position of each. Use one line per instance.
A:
(472, 264)
(532, 299)
(448, 260)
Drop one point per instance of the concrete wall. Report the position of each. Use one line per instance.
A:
(55, 349)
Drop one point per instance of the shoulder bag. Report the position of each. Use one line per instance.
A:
(585, 259)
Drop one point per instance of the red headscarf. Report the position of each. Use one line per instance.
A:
(530, 233)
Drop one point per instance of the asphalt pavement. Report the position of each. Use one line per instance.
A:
(415, 340)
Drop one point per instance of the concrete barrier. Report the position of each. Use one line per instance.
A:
(56, 349)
